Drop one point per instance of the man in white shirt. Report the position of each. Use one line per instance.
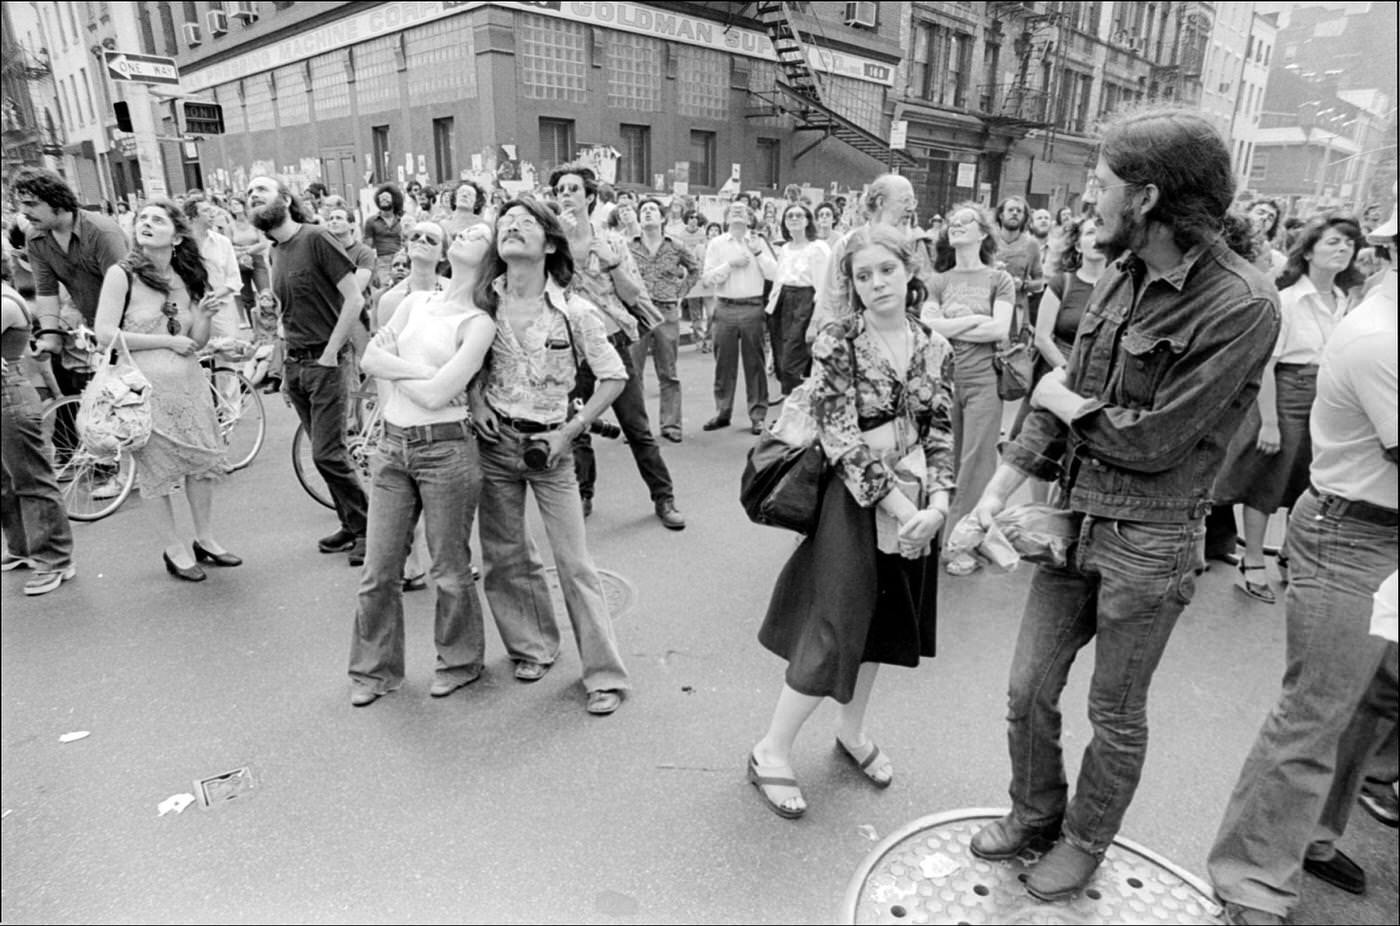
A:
(220, 262)
(736, 265)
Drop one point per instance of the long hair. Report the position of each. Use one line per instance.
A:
(185, 259)
(585, 173)
(559, 264)
(1025, 209)
(1071, 258)
(1297, 266)
(47, 186)
(395, 195)
(1178, 151)
(894, 241)
(945, 258)
(811, 221)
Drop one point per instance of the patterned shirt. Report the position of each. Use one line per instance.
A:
(669, 273)
(595, 284)
(855, 384)
(531, 377)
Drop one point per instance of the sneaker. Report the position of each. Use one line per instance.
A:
(341, 541)
(1380, 802)
(48, 580)
(109, 489)
(666, 511)
(357, 552)
(10, 561)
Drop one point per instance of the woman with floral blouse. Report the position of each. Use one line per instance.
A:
(862, 588)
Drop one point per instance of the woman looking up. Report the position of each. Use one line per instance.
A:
(801, 269)
(158, 299)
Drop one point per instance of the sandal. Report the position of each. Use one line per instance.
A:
(1283, 569)
(789, 808)
(876, 765)
(964, 564)
(1259, 591)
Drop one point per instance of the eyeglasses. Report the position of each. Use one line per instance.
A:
(415, 237)
(1105, 187)
(515, 220)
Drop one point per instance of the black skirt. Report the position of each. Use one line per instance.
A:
(1269, 481)
(840, 602)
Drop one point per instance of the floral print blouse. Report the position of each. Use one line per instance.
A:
(847, 395)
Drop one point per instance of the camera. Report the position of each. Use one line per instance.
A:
(536, 449)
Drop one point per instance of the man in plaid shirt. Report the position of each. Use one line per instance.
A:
(669, 270)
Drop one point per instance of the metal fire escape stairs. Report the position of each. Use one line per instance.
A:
(800, 94)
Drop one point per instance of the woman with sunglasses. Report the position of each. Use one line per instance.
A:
(158, 299)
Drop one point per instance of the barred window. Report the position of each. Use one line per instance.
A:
(763, 75)
(859, 101)
(235, 120)
(634, 72)
(376, 82)
(553, 59)
(703, 82)
(292, 108)
(328, 84)
(444, 63)
(257, 96)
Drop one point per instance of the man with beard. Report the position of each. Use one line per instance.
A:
(1168, 358)
(315, 281)
(1018, 253)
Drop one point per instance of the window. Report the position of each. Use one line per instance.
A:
(859, 101)
(379, 138)
(376, 84)
(1073, 101)
(87, 94)
(556, 143)
(940, 65)
(167, 26)
(258, 98)
(552, 56)
(991, 54)
(768, 163)
(636, 155)
(444, 61)
(702, 158)
(292, 98)
(148, 36)
(702, 82)
(633, 68)
(1259, 170)
(328, 84)
(445, 149)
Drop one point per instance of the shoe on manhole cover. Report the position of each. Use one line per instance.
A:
(217, 790)
(926, 873)
(620, 594)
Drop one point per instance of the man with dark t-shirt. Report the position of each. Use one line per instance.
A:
(321, 301)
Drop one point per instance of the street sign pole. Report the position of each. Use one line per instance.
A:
(136, 73)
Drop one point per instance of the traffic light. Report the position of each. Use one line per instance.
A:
(123, 111)
(201, 118)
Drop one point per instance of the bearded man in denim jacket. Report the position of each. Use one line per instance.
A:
(1167, 359)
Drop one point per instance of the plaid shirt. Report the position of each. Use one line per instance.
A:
(669, 273)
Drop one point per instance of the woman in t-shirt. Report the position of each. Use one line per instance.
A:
(427, 462)
(970, 303)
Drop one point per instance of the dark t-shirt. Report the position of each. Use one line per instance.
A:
(384, 238)
(97, 244)
(306, 271)
(1073, 294)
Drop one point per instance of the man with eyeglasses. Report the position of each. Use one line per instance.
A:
(606, 275)
(1168, 358)
(520, 407)
(321, 300)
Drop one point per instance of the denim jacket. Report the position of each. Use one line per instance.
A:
(1169, 368)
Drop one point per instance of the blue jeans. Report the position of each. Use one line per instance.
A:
(631, 411)
(663, 343)
(442, 481)
(976, 420)
(1125, 586)
(1300, 781)
(31, 508)
(738, 330)
(318, 395)
(513, 575)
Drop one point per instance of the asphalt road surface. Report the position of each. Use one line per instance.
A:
(506, 802)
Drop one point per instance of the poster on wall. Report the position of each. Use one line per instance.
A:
(731, 186)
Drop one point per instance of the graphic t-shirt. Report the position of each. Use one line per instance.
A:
(961, 293)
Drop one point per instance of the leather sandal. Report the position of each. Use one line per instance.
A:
(1260, 591)
(763, 782)
(876, 766)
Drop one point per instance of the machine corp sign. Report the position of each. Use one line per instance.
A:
(146, 69)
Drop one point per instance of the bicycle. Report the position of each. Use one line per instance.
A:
(238, 406)
(361, 436)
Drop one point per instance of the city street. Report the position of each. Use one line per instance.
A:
(506, 802)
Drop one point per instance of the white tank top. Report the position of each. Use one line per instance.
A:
(431, 339)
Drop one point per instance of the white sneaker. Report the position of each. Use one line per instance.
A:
(10, 561)
(45, 582)
(109, 489)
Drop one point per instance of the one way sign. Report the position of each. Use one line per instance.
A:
(146, 69)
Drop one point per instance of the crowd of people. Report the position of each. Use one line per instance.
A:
(1193, 353)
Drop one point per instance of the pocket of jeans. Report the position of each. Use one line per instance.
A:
(1154, 548)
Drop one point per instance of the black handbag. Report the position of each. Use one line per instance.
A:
(1014, 361)
(782, 485)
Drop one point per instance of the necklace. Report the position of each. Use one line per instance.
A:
(898, 358)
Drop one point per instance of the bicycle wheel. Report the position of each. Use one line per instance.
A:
(305, 468)
(90, 488)
(240, 414)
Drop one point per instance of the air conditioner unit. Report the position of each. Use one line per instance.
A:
(246, 11)
(193, 34)
(861, 14)
(218, 22)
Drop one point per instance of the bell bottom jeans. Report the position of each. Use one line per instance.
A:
(31, 508)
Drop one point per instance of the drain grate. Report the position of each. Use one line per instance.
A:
(925, 873)
(218, 790)
(620, 594)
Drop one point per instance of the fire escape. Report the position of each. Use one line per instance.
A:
(1176, 78)
(1019, 107)
(803, 95)
(26, 137)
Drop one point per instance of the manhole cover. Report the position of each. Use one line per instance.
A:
(620, 594)
(217, 790)
(925, 873)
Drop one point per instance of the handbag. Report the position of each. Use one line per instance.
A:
(114, 413)
(1014, 360)
(782, 484)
